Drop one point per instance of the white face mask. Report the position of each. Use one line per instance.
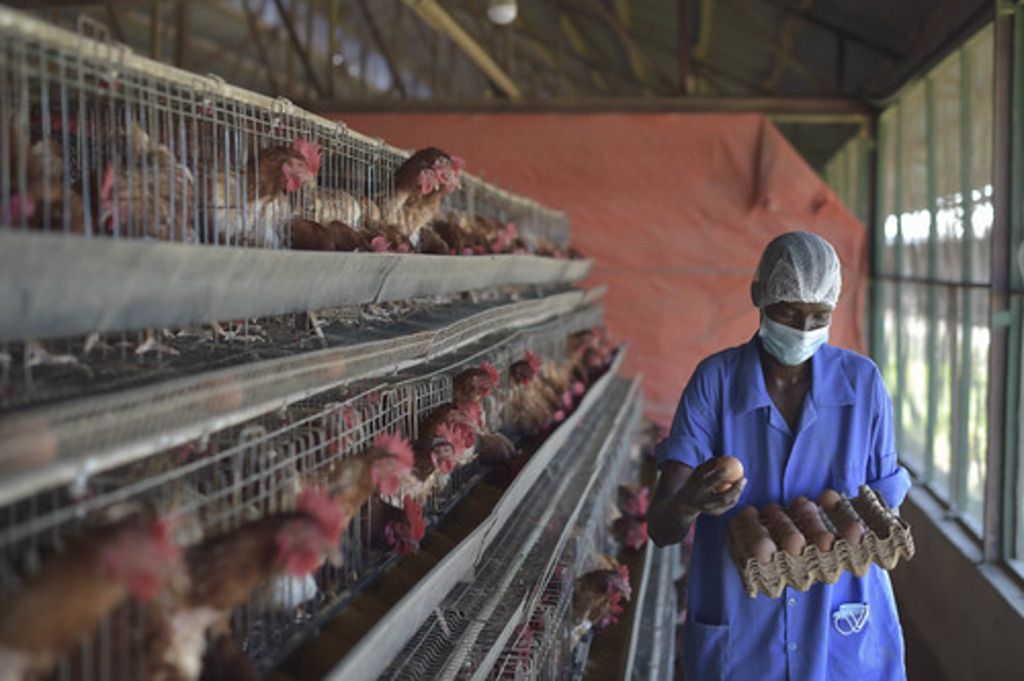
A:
(788, 345)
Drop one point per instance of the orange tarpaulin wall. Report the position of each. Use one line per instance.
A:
(673, 210)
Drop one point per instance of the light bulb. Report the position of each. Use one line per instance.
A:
(502, 12)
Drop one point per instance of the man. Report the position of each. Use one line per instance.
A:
(802, 417)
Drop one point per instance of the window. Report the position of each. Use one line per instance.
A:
(930, 297)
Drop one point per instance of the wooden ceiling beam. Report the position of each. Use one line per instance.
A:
(839, 31)
(817, 109)
(783, 54)
(621, 23)
(919, 56)
(791, 28)
(183, 21)
(684, 63)
(707, 68)
(382, 45)
(155, 30)
(71, 4)
(638, 56)
(261, 49)
(115, 24)
(289, 25)
(579, 46)
(438, 19)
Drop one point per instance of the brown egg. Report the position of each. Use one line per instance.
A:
(751, 535)
(798, 503)
(783, 531)
(732, 472)
(824, 540)
(748, 514)
(763, 549)
(852, 533)
(828, 499)
(808, 520)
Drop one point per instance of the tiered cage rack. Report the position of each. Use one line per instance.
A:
(280, 362)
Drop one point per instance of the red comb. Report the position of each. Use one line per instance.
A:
(396, 445)
(162, 533)
(310, 152)
(107, 189)
(22, 206)
(317, 502)
(491, 372)
(414, 514)
(535, 362)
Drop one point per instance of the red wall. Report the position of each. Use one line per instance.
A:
(673, 210)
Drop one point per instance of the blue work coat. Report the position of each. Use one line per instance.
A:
(844, 440)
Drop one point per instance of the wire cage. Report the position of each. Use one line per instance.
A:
(253, 469)
(543, 642)
(99, 141)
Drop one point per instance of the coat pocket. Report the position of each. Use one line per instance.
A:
(864, 645)
(705, 650)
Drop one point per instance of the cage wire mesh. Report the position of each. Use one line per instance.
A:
(99, 141)
(237, 474)
(521, 562)
(541, 647)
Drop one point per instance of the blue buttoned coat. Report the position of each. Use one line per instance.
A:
(844, 439)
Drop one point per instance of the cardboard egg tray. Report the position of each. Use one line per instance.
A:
(886, 538)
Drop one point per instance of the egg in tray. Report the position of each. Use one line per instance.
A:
(811, 542)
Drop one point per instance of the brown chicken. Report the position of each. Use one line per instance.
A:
(148, 193)
(421, 183)
(250, 206)
(224, 661)
(39, 198)
(529, 411)
(307, 235)
(431, 243)
(347, 238)
(224, 571)
(383, 238)
(327, 204)
(454, 237)
(630, 532)
(391, 527)
(443, 441)
(597, 598)
(77, 588)
(633, 502)
(474, 384)
(383, 468)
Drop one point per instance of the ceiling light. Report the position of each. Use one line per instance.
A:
(502, 12)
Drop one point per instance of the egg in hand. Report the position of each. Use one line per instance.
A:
(732, 472)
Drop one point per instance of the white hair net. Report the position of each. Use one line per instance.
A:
(797, 267)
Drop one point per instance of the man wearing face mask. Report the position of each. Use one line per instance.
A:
(802, 416)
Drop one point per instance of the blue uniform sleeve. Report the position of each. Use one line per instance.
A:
(885, 474)
(691, 440)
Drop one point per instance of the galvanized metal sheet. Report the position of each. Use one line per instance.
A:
(55, 285)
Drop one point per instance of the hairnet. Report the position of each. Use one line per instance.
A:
(797, 267)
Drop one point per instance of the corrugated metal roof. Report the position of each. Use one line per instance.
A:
(557, 52)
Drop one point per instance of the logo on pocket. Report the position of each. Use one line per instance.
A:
(850, 618)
